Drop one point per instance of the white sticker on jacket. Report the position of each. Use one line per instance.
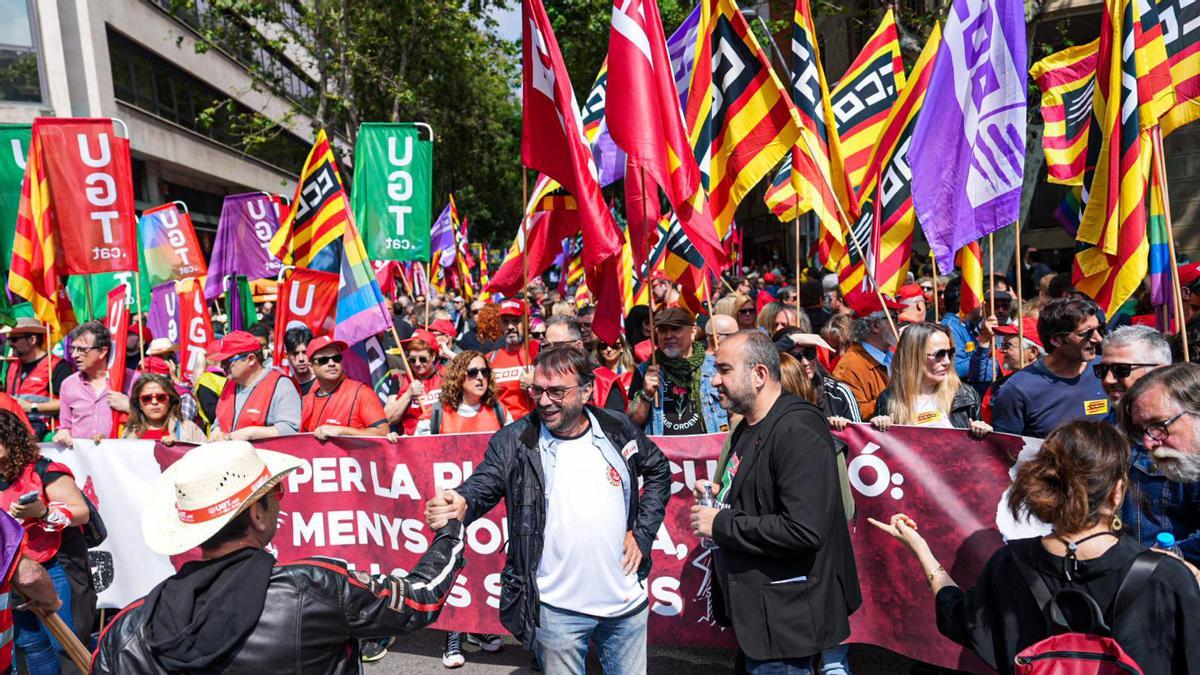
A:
(629, 450)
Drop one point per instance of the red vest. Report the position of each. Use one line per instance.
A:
(336, 409)
(254, 412)
(484, 420)
(605, 381)
(40, 545)
(506, 370)
(36, 383)
(419, 406)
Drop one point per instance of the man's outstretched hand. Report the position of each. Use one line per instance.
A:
(443, 508)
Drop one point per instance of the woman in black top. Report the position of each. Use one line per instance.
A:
(1075, 484)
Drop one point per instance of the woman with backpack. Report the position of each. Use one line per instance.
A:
(42, 495)
(1075, 484)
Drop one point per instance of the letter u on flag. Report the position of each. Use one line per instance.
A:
(968, 148)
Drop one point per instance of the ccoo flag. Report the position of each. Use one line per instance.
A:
(968, 148)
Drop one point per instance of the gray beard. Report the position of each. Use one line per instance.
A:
(1185, 468)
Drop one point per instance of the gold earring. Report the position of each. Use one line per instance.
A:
(1116, 523)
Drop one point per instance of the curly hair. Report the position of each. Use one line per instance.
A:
(138, 422)
(487, 323)
(456, 374)
(19, 446)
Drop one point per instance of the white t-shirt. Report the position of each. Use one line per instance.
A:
(927, 414)
(580, 569)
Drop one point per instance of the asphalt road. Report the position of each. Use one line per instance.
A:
(422, 653)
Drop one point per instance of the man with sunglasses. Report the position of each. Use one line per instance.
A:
(338, 406)
(29, 377)
(1160, 414)
(1062, 386)
(581, 529)
(511, 361)
(256, 402)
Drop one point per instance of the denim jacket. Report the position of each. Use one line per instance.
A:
(716, 419)
(1154, 503)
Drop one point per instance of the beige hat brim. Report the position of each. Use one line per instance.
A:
(809, 340)
(166, 534)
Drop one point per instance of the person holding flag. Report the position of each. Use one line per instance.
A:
(255, 402)
(338, 406)
(86, 400)
(408, 412)
(30, 380)
(510, 363)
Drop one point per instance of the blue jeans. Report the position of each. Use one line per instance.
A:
(562, 641)
(40, 648)
(836, 660)
(800, 666)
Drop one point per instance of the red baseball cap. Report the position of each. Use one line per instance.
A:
(445, 327)
(909, 293)
(513, 307)
(1030, 326)
(323, 342)
(867, 302)
(155, 365)
(237, 342)
(425, 336)
(1189, 274)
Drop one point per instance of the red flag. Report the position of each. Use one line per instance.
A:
(91, 193)
(645, 120)
(308, 297)
(552, 219)
(117, 322)
(197, 330)
(641, 197)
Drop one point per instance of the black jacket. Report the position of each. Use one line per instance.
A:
(512, 470)
(315, 612)
(786, 579)
(964, 407)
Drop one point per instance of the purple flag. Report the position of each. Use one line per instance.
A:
(248, 221)
(968, 148)
(164, 312)
(11, 536)
(441, 236)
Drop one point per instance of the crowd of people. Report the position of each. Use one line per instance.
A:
(776, 364)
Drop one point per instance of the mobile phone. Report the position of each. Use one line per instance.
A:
(28, 498)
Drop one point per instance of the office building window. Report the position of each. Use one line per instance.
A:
(19, 76)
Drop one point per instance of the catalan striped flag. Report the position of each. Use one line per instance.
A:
(34, 274)
(550, 217)
(1067, 80)
(1181, 33)
(1133, 91)
(361, 310)
(319, 213)
(970, 262)
(817, 170)
(864, 96)
(633, 292)
(1162, 285)
(887, 218)
(739, 119)
(676, 258)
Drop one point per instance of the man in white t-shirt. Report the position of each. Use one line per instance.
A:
(581, 530)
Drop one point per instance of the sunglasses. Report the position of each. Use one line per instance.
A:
(150, 399)
(228, 363)
(473, 373)
(940, 354)
(746, 310)
(414, 360)
(538, 334)
(1119, 370)
(332, 358)
(1099, 331)
(808, 353)
(614, 346)
(927, 289)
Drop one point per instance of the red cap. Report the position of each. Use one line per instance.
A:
(237, 342)
(424, 336)
(660, 275)
(155, 365)
(866, 302)
(445, 327)
(513, 307)
(1030, 326)
(143, 332)
(1189, 274)
(323, 342)
(910, 292)
(769, 278)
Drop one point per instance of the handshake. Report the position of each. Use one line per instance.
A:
(443, 508)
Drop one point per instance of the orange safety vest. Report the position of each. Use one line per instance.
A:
(254, 410)
(336, 409)
(35, 383)
(506, 369)
(489, 418)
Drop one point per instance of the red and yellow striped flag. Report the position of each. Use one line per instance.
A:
(1181, 20)
(970, 261)
(319, 211)
(34, 274)
(1067, 80)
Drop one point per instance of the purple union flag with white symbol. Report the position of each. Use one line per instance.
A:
(968, 148)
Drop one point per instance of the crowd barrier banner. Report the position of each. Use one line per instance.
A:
(363, 500)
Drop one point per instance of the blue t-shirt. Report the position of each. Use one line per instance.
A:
(1034, 401)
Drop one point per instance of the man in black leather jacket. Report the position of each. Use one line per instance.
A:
(238, 611)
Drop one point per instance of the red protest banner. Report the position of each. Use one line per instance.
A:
(308, 297)
(197, 329)
(117, 322)
(90, 176)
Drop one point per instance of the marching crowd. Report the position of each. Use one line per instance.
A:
(776, 363)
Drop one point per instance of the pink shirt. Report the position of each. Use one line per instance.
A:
(84, 409)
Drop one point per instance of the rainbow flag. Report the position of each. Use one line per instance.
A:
(1068, 212)
(1162, 286)
(361, 310)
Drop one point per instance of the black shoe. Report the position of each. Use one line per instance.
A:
(374, 650)
(485, 641)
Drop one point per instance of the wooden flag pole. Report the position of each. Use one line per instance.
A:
(1020, 295)
(992, 293)
(78, 654)
(936, 315)
(1160, 168)
(798, 253)
(50, 363)
(653, 341)
(525, 213)
(137, 301)
(712, 315)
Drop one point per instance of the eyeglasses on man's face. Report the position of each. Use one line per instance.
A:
(556, 394)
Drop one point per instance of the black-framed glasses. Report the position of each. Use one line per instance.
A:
(618, 345)
(807, 353)
(331, 358)
(746, 311)
(473, 373)
(556, 394)
(1119, 370)
(947, 353)
(1099, 331)
(1157, 431)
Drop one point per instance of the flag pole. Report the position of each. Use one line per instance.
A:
(1160, 169)
(87, 289)
(936, 315)
(798, 254)
(137, 301)
(1020, 296)
(992, 292)
(653, 342)
(525, 263)
(711, 314)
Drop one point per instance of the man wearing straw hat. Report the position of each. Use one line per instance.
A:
(29, 377)
(238, 610)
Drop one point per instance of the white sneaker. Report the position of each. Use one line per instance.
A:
(453, 656)
(485, 641)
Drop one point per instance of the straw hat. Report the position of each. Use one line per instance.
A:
(26, 326)
(160, 346)
(205, 489)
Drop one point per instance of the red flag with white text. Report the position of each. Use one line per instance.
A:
(307, 297)
(197, 330)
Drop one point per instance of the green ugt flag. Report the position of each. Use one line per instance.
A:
(14, 148)
(391, 195)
